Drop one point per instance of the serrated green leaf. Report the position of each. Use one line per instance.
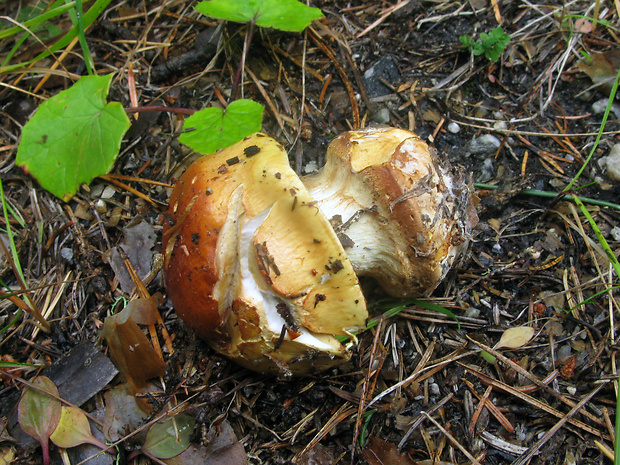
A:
(74, 429)
(38, 413)
(285, 15)
(216, 129)
(73, 137)
(170, 438)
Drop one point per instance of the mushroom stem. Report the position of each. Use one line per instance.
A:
(403, 216)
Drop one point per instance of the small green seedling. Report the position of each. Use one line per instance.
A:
(73, 137)
(490, 45)
(38, 413)
(213, 128)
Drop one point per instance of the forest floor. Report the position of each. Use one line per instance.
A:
(422, 387)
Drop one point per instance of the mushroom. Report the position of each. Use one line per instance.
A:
(264, 265)
(403, 217)
(254, 267)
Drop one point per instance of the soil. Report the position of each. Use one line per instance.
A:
(451, 394)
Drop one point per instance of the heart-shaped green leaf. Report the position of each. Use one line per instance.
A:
(170, 438)
(215, 129)
(73, 137)
(38, 413)
(285, 15)
(73, 429)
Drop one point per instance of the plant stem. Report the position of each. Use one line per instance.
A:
(244, 54)
(537, 193)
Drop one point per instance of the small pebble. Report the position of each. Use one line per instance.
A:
(483, 144)
(501, 125)
(66, 253)
(381, 116)
(600, 105)
(613, 163)
(615, 233)
(454, 128)
(310, 167)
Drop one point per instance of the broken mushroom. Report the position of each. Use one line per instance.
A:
(263, 264)
(403, 216)
(253, 265)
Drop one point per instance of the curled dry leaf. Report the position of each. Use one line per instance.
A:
(130, 349)
(514, 338)
(380, 452)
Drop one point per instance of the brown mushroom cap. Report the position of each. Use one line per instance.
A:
(404, 217)
(253, 265)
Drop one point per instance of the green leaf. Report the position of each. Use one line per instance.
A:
(39, 413)
(170, 438)
(285, 15)
(73, 137)
(216, 129)
(73, 429)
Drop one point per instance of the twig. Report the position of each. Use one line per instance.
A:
(549, 434)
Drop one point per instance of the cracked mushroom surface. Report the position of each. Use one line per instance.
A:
(403, 215)
(254, 267)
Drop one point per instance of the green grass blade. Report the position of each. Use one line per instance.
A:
(76, 15)
(612, 97)
(599, 235)
(35, 22)
(552, 195)
(89, 17)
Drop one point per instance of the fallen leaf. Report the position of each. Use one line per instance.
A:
(138, 242)
(7, 455)
(602, 68)
(124, 412)
(380, 452)
(39, 413)
(224, 449)
(514, 338)
(130, 349)
(74, 429)
(170, 438)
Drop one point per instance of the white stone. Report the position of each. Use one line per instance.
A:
(484, 144)
(613, 163)
(454, 128)
(600, 105)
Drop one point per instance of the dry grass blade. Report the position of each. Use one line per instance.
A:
(541, 384)
(344, 412)
(452, 439)
(533, 402)
(549, 434)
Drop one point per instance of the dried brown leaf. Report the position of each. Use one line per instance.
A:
(224, 449)
(130, 349)
(380, 452)
(513, 338)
